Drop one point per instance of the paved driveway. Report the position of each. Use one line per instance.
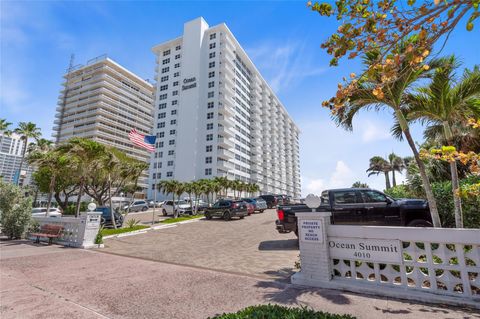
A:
(249, 246)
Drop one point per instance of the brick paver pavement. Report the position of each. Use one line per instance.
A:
(248, 246)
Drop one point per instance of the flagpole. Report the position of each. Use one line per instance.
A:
(155, 191)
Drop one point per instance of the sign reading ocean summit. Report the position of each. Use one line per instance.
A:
(378, 250)
(189, 83)
(311, 231)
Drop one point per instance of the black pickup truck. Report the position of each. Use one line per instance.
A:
(360, 206)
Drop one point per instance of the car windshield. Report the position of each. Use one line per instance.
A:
(259, 199)
(180, 202)
(248, 200)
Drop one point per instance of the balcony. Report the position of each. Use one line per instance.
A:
(225, 143)
(225, 165)
(225, 110)
(225, 154)
(222, 130)
(225, 121)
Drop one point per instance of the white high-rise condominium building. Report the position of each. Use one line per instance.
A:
(11, 149)
(216, 116)
(103, 101)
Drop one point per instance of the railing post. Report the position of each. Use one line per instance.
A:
(316, 267)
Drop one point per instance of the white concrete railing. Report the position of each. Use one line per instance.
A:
(77, 232)
(425, 264)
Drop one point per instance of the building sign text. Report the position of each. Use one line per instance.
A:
(311, 231)
(378, 250)
(189, 83)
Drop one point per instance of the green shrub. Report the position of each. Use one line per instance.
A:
(99, 237)
(71, 208)
(15, 210)
(400, 191)
(280, 312)
(131, 223)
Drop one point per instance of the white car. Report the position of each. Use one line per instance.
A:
(180, 207)
(52, 212)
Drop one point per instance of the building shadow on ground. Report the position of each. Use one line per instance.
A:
(283, 244)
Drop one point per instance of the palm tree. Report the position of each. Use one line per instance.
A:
(170, 187)
(26, 131)
(359, 184)
(4, 126)
(396, 165)
(188, 188)
(444, 102)
(392, 97)
(380, 165)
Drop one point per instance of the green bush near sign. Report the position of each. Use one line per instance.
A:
(280, 312)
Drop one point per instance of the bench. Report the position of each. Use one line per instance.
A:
(48, 231)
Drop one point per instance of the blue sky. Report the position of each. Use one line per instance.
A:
(282, 38)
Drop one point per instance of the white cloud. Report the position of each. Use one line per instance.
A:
(342, 176)
(372, 132)
(284, 64)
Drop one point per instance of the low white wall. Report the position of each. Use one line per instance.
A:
(77, 232)
(422, 264)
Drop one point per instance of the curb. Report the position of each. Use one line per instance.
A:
(157, 227)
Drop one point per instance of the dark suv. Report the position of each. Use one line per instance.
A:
(271, 200)
(106, 219)
(227, 209)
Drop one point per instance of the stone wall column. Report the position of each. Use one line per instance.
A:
(314, 252)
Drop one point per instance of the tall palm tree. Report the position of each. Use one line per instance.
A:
(396, 165)
(444, 102)
(392, 97)
(380, 165)
(4, 126)
(171, 187)
(26, 131)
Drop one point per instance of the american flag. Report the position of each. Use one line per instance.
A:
(145, 141)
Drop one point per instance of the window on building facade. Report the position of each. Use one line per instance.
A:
(164, 78)
(174, 102)
(211, 65)
(163, 87)
(176, 74)
(172, 132)
(160, 154)
(209, 137)
(165, 70)
(173, 112)
(161, 125)
(208, 160)
(211, 74)
(162, 106)
(209, 148)
(210, 105)
(210, 126)
(161, 134)
(170, 163)
(160, 144)
(173, 122)
(210, 94)
(175, 93)
(178, 47)
(212, 45)
(171, 142)
(166, 61)
(208, 171)
(175, 83)
(177, 56)
(209, 115)
(177, 65)
(169, 174)
(211, 84)
(165, 53)
(171, 152)
(211, 55)
(162, 97)
(162, 115)
(213, 36)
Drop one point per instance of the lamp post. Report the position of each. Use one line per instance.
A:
(312, 201)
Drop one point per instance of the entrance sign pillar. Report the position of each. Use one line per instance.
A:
(316, 266)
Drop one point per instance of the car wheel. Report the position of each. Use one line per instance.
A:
(419, 223)
(164, 212)
(242, 217)
(227, 215)
(262, 210)
(102, 221)
(208, 216)
(144, 208)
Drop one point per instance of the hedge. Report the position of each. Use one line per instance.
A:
(280, 312)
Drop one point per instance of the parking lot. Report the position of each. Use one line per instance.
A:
(249, 246)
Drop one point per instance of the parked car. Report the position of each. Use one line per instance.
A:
(250, 208)
(52, 212)
(259, 204)
(152, 203)
(178, 208)
(271, 200)
(106, 219)
(201, 205)
(360, 206)
(136, 206)
(227, 209)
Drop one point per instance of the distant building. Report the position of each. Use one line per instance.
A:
(103, 101)
(215, 115)
(11, 149)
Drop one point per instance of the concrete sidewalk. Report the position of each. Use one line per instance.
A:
(74, 283)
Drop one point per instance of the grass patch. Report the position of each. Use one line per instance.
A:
(112, 231)
(280, 312)
(180, 219)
